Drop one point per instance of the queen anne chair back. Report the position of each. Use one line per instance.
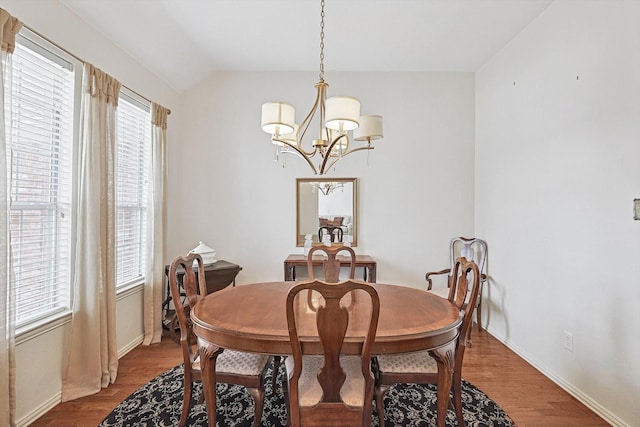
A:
(472, 249)
(331, 389)
(331, 264)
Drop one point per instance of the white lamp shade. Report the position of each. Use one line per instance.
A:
(370, 128)
(342, 113)
(278, 118)
(291, 138)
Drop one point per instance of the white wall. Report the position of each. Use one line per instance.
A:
(225, 189)
(557, 154)
(39, 357)
(554, 182)
(416, 194)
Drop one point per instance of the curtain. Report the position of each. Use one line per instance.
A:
(91, 362)
(9, 27)
(156, 221)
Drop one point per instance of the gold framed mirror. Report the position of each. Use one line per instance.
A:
(327, 207)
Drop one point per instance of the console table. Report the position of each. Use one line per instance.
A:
(217, 276)
(298, 260)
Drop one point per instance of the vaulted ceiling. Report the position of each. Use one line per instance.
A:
(183, 41)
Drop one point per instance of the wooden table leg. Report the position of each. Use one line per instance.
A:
(289, 272)
(372, 274)
(445, 358)
(208, 355)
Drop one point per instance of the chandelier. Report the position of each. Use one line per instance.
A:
(326, 188)
(337, 117)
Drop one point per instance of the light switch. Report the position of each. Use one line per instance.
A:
(636, 209)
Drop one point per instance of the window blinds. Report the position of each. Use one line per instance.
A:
(133, 156)
(39, 129)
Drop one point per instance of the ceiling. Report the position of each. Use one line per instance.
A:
(183, 41)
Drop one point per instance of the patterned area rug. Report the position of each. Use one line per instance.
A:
(159, 402)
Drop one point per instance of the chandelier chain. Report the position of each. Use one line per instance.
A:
(322, 41)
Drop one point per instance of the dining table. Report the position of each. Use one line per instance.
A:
(252, 318)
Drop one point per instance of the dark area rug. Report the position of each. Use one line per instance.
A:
(159, 402)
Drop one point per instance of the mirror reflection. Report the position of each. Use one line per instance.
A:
(326, 209)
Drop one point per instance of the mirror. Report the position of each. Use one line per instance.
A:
(327, 206)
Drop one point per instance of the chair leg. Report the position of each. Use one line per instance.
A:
(258, 400)
(457, 396)
(274, 375)
(287, 406)
(380, 392)
(186, 401)
(479, 315)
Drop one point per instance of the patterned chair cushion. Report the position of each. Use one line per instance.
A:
(418, 362)
(237, 362)
(309, 390)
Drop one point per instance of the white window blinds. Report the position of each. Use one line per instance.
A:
(39, 127)
(134, 142)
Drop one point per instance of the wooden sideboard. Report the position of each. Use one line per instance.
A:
(367, 263)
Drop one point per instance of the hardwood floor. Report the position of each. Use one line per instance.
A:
(530, 399)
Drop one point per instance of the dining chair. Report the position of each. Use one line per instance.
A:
(473, 250)
(331, 265)
(331, 389)
(233, 367)
(419, 367)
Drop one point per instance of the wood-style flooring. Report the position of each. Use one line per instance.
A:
(530, 399)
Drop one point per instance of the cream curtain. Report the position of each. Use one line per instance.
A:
(156, 220)
(9, 27)
(92, 358)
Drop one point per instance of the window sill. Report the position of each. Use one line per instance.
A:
(35, 329)
(130, 289)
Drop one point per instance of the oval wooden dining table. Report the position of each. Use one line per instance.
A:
(252, 318)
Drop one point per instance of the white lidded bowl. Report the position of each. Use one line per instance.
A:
(208, 255)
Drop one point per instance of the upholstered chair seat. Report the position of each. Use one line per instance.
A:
(240, 363)
(418, 362)
(352, 391)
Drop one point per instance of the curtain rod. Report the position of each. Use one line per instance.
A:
(82, 60)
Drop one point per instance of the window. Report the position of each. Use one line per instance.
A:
(42, 126)
(133, 156)
(40, 131)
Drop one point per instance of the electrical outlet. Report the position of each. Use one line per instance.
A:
(568, 340)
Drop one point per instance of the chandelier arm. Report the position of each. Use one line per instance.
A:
(328, 152)
(368, 147)
(346, 145)
(348, 152)
(299, 148)
(299, 152)
(321, 87)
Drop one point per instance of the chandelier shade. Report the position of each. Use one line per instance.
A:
(278, 118)
(370, 128)
(336, 117)
(342, 113)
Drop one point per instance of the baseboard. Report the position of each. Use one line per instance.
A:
(562, 383)
(130, 346)
(50, 403)
(42, 409)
